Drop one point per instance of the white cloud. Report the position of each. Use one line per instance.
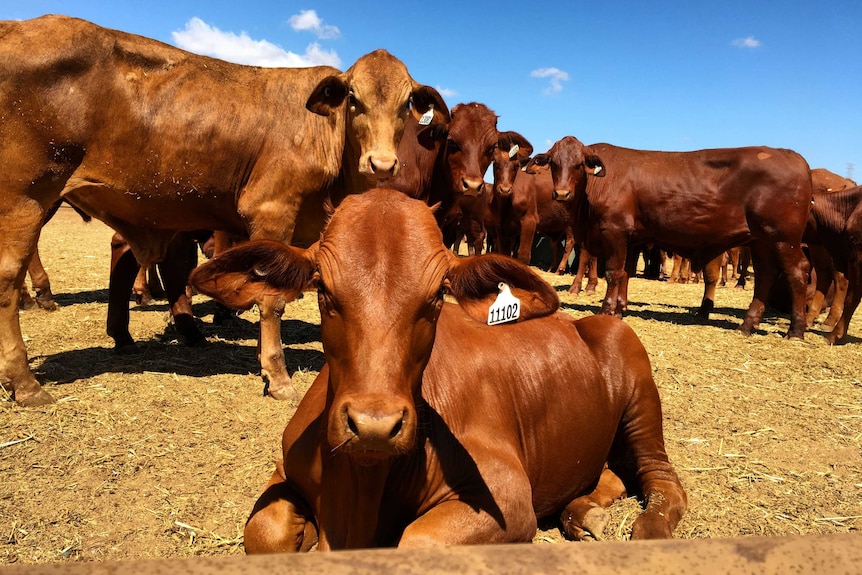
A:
(446, 92)
(748, 42)
(310, 21)
(201, 38)
(557, 77)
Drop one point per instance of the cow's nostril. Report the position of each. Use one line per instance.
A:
(396, 429)
(351, 425)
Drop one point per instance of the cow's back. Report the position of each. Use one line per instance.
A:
(520, 391)
(685, 199)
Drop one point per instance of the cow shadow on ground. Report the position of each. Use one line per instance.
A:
(81, 297)
(165, 354)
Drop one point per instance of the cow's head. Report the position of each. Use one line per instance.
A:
(381, 272)
(511, 154)
(379, 94)
(570, 162)
(470, 147)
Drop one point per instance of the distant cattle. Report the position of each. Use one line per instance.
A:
(834, 236)
(427, 426)
(697, 204)
(153, 140)
(822, 180)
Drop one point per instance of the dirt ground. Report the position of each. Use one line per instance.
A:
(162, 454)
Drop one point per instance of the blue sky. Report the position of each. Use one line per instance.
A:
(660, 75)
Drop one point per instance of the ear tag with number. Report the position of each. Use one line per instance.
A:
(596, 170)
(505, 308)
(513, 151)
(427, 116)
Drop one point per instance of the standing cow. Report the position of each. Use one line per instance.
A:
(697, 204)
(153, 140)
(427, 426)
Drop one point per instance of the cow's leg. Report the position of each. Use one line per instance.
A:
(711, 273)
(795, 266)
(513, 522)
(21, 223)
(280, 521)
(528, 234)
(141, 287)
(585, 518)
(578, 280)
(273, 370)
(639, 458)
(124, 269)
(723, 277)
(567, 251)
(851, 301)
(592, 274)
(839, 298)
(180, 260)
(41, 282)
(744, 261)
(615, 274)
(765, 275)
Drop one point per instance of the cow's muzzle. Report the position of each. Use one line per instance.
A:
(373, 430)
(562, 195)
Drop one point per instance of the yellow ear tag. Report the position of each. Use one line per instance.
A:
(505, 308)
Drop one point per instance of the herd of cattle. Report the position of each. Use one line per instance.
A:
(358, 184)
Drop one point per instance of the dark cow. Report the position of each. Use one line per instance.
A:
(834, 237)
(153, 140)
(697, 204)
(427, 426)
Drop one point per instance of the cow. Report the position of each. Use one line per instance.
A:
(427, 426)
(153, 140)
(697, 204)
(834, 237)
(526, 205)
(822, 180)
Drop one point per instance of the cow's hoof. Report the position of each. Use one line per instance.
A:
(127, 349)
(46, 304)
(287, 393)
(590, 527)
(40, 397)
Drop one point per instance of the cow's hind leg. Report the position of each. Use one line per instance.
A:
(124, 269)
(179, 261)
(280, 521)
(851, 301)
(41, 282)
(711, 274)
(20, 223)
(585, 518)
(638, 455)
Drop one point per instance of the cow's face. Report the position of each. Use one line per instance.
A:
(570, 161)
(470, 147)
(379, 94)
(511, 154)
(381, 271)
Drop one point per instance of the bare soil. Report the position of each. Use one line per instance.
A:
(163, 453)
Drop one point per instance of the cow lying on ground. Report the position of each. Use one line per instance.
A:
(697, 204)
(153, 141)
(427, 426)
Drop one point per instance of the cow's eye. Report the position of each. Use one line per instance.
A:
(453, 146)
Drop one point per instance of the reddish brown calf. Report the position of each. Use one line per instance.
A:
(427, 426)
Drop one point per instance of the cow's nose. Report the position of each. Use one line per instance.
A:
(561, 195)
(504, 190)
(372, 428)
(471, 185)
(383, 166)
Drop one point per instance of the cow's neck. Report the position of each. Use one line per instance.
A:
(350, 508)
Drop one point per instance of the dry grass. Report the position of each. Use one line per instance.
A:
(162, 454)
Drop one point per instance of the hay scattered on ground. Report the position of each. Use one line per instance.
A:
(162, 454)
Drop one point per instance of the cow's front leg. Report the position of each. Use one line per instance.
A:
(280, 521)
(711, 274)
(270, 353)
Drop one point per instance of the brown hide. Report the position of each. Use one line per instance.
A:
(154, 140)
(834, 237)
(696, 204)
(429, 427)
(822, 180)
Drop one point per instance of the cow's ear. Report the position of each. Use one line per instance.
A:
(507, 142)
(430, 136)
(327, 95)
(425, 98)
(475, 283)
(594, 165)
(241, 276)
(537, 160)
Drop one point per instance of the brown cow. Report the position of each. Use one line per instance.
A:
(697, 204)
(154, 140)
(834, 237)
(822, 180)
(429, 427)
